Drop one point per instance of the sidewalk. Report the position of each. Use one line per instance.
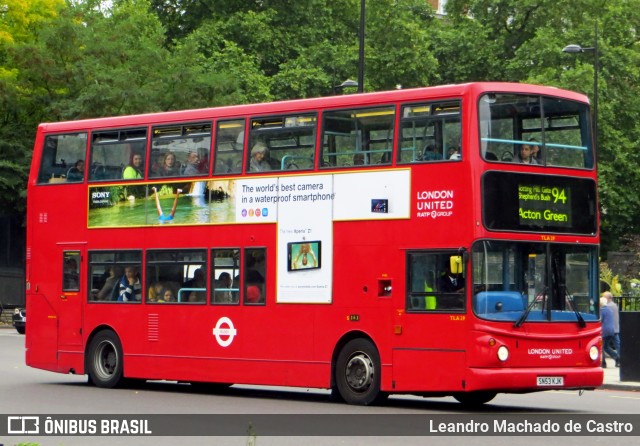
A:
(612, 379)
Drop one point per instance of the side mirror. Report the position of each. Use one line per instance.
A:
(456, 264)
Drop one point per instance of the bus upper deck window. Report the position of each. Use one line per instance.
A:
(430, 132)
(61, 157)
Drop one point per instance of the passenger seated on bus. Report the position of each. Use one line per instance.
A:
(155, 292)
(490, 156)
(358, 159)
(169, 167)
(222, 292)
(134, 170)
(430, 153)
(193, 164)
(253, 295)
(536, 153)
(167, 296)
(129, 287)
(76, 173)
(199, 280)
(385, 158)
(454, 153)
(110, 284)
(259, 155)
(524, 156)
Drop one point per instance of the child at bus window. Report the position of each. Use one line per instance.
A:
(134, 170)
(129, 286)
(258, 162)
(155, 292)
(167, 296)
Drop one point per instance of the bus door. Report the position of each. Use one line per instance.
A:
(68, 296)
(429, 343)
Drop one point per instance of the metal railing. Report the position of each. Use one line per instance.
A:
(627, 302)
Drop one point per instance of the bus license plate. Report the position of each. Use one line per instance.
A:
(550, 381)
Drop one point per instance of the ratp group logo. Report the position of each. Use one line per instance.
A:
(23, 425)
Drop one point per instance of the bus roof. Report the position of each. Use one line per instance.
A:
(302, 105)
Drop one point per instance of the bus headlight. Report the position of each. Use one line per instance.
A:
(503, 353)
(594, 352)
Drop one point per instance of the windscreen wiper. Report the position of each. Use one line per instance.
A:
(520, 321)
(581, 322)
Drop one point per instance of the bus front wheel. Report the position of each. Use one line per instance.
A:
(104, 361)
(358, 373)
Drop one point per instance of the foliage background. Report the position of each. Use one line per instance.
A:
(75, 59)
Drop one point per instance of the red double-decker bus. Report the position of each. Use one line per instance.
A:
(433, 241)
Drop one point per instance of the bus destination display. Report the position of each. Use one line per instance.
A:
(514, 201)
(544, 205)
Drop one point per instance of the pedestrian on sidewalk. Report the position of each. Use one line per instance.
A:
(616, 323)
(608, 332)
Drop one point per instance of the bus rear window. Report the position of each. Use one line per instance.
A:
(60, 156)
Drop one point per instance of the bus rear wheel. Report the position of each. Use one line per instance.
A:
(358, 373)
(474, 398)
(104, 360)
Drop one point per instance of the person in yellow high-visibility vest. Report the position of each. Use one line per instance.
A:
(429, 301)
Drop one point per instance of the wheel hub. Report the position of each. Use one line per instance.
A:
(359, 372)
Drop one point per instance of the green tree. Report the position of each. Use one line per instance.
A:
(525, 38)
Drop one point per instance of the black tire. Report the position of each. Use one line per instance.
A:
(206, 387)
(20, 330)
(104, 360)
(474, 399)
(357, 373)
